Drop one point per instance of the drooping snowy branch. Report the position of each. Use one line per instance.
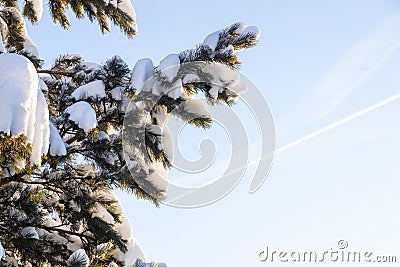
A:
(16, 34)
(33, 10)
(74, 116)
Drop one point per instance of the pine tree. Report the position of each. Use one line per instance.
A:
(61, 157)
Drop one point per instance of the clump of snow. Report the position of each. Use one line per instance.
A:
(213, 92)
(159, 115)
(197, 108)
(29, 46)
(222, 75)
(252, 29)
(125, 231)
(241, 27)
(43, 86)
(229, 49)
(167, 143)
(100, 212)
(110, 157)
(212, 40)
(78, 256)
(108, 195)
(190, 78)
(30, 232)
(40, 143)
(126, 7)
(2, 252)
(89, 65)
(57, 146)
(134, 253)
(224, 78)
(18, 89)
(25, 109)
(117, 93)
(176, 90)
(37, 8)
(169, 67)
(95, 90)
(102, 136)
(156, 87)
(114, 3)
(124, 228)
(73, 242)
(87, 170)
(83, 115)
(134, 250)
(141, 72)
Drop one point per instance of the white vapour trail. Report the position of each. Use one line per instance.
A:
(304, 139)
(338, 123)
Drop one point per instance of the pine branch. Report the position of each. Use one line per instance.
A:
(58, 72)
(10, 179)
(63, 231)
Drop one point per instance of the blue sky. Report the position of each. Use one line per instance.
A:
(316, 62)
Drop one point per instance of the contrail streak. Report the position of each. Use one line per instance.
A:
(338, 123)
(305, 138)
